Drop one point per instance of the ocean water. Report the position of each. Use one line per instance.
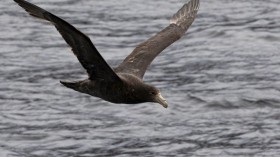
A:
(221, 80)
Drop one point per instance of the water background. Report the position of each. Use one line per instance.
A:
(222, 81)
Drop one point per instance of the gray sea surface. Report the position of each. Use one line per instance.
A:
(222, 81)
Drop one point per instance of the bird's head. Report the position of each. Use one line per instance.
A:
(154, 95)
(140, 92)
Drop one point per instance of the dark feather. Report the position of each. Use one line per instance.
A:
(87, 54)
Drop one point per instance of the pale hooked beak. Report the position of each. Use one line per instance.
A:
(159, 99)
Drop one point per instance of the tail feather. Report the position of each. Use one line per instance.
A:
(72, 85)
(186, 15)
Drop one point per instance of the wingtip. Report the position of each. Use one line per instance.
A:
(31, 9)
(186, 15)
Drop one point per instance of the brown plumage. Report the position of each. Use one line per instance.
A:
(125, 83)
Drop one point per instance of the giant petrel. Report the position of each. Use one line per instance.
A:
(123, 84)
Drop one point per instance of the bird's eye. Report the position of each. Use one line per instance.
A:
(153, 93)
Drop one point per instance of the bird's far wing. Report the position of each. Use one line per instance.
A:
(87, 54)
(142, 56)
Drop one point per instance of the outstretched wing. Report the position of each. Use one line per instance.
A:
(87, 54)
(142, 56)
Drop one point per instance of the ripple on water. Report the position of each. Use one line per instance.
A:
(221, 81)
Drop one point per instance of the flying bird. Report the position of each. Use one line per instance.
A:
(123, 84)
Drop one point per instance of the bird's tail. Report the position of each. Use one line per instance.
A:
(73, 85)
(186, 15)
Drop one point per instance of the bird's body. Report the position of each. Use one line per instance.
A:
(123, 84)
(126, 91)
